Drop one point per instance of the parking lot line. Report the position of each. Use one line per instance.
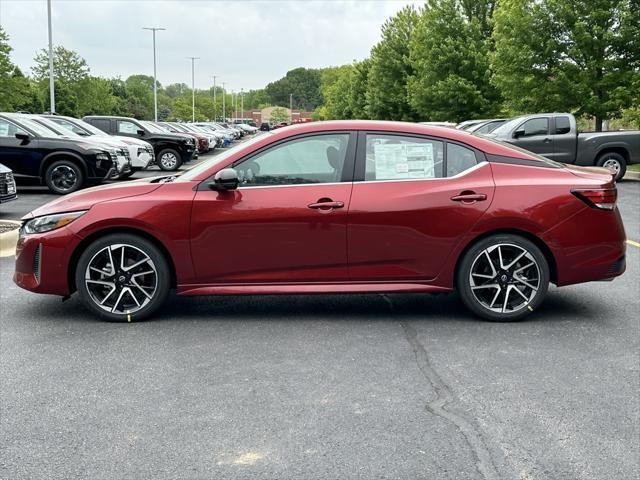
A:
(635, 244)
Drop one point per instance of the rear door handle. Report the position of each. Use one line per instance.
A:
(327, 204)
(547, 140)
(470, 197)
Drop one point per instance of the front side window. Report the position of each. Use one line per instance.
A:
(394, 157)
(128, 128)
(316, 159)
(8, 129)
(459, 159)
(535, 126)
(563, 125)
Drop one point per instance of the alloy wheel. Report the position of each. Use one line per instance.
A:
(169, 160)
(121, 278)
(64, 178)
(613, 165)
(504, 278)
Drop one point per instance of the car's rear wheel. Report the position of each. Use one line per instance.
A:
(503, 278)
(122, 277)
(169, 160)
(63, 176)
(614, 162)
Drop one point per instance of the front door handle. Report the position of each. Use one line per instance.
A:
(469, 197)
(547, 140)
(326, 204)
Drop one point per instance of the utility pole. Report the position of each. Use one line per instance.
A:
(155, 82)
(193, 88)
(215, 107)
(52, 92)
(224, 96)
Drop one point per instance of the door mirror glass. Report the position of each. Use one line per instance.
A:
(141, 132)
(518, 133)
(24, 137)
(225, 179)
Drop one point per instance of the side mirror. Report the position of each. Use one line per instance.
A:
(518, 133)
(23, 137)
(141, 133)
(225, 179)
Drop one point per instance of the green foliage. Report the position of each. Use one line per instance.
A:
(279, 115)
(449, 58)
(303, 83)
(335, 90)
(569, 55)
(68, 66)
(390, 69)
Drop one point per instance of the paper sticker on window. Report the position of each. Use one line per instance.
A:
(397, 161)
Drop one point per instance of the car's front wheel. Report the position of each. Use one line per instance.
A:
(63, 176)
(122, 277)
(503, 278)
(169, 160)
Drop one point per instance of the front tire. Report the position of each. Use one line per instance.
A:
(122, 277)
(63, 176)
(169, 160)
(503, 278)
(613, 162)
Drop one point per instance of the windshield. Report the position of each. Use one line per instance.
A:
(198, 169)
(58, 129)
(152, 127)
(36, 127)
(506, 127)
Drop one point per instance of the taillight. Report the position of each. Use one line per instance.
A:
(603, 198)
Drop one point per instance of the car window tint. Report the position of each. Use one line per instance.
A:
(67, 125)
(127, 127)
(563, 125)
(102, 124)
(393, 157)
(459, 159)
(317, 159)
(8, 129)
(535, 126)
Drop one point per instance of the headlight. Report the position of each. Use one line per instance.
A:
(49, 222)
(103, 156)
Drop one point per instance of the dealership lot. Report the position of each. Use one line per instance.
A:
(359, 386)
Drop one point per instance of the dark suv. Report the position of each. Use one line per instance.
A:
(63, 164)
(171, 150)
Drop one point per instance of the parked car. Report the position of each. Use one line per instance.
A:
(468, 124)
(494, 231)
(140, 152)
(279, 125)
(63, 164)
(487, 126)
(209, 130)
(265, 127)
(439, 124)
(555, 136)
(8, 189)
(121, 150)
(171, 150)
(203, 141)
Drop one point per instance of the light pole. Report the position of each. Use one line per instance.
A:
(242, 104)
(224, 109)
(52, 93)
(234, 102)
(193, 88)
(155, 82)
(290, 108)
(215, 107)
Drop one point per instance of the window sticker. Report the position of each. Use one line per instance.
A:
(397, 161)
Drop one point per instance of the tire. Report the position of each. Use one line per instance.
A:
(128, 294)
(169, 160)
(63, 176)
(614, 162)
(503, 294)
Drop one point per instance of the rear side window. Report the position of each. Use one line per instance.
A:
(9, 129)
(394, 157)
(535, 126)
(562, 125)
(101, 123)
(459, 159)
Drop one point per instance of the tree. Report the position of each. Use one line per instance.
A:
(358, 90)
(279, 115)
(568, 55)
(68, 66)
(303, 83)
(390, 69)
(449, 55)
(335, 90)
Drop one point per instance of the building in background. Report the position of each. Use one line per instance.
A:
(264, 115)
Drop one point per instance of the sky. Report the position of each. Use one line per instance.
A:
(247, 44)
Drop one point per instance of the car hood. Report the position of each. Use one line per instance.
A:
(85, 199)
(171, 136)
(4, 169)
(132, 141)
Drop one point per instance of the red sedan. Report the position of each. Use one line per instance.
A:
(334, 207)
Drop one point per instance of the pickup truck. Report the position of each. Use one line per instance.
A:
(555, 136)
(171, 150)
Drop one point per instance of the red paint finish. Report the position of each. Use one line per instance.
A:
(379, 236)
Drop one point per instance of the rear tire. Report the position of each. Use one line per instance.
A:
(122, 277)
(63, 176)
(503, 278)
(169, 160)
(614, 162)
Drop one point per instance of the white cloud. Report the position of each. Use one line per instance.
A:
(246, 43)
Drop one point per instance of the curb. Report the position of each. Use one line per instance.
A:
(631, 175)
(8, 240)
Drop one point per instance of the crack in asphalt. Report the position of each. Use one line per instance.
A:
(444, 398)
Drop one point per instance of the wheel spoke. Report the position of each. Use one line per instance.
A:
(495, 297)
(500, 257)
(523, 268)
(101, 282)
(115, 305)
(489, 285)
(138, 263)
(524, 252)
(141, 288)
(506, 298)
(108, 295)
(520, 280)
(493, 269)
(521, 294)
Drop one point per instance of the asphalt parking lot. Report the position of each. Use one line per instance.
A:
(323, 387)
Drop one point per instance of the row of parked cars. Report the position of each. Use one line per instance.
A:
(555, 136)
(67, 153)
